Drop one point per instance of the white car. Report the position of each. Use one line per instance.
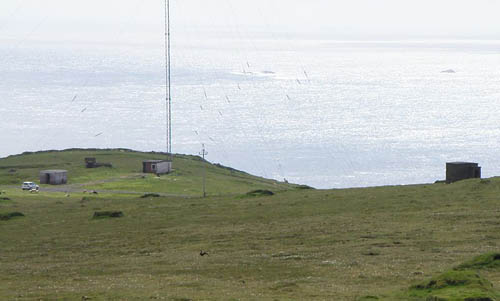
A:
(30, 186)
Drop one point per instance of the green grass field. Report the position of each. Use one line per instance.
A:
(126, 174)
(386, 243)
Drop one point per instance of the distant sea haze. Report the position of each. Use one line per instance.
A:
(329, 114)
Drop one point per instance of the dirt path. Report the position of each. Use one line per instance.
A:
(79, 188)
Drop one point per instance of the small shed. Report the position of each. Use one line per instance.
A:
(54, 177)
(90, 162)
(156, 166)
(456, 171)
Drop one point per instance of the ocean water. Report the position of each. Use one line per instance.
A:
(329, 114)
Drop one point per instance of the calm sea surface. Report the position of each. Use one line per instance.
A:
(323, 113)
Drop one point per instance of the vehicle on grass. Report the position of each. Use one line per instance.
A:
(29, 186)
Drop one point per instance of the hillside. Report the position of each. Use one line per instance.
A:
(385, 243)
(126, 174)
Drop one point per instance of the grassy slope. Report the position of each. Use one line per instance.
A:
(463, 282)
(296, 245)
(126, 173)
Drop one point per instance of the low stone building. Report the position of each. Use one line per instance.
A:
(54, 177)
(157, 166)
(456, 171)
(92, 163)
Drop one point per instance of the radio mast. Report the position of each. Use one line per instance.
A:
(168, 94)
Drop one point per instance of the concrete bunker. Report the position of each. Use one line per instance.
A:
(157, 166)
(54, 177)
(91, 162)
(456, 171)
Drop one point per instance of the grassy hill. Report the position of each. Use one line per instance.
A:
(126, 173)
(384, 243)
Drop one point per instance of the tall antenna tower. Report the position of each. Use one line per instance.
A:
(168, 94)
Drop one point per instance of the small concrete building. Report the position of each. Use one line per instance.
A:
(456, 171)
(90, 162)
(156, 166)
(54, 177)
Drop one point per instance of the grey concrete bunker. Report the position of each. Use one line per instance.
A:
(54, 177)
(456, 171)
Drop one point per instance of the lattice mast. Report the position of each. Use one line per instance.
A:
(168, 90)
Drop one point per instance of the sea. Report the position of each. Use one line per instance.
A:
(320, 112)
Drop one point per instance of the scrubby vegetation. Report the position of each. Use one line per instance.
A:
(485, 261)
(107, 214)
(150, 195)
(7, 216)
(463, 283)
(455, 285)
(260, 192)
